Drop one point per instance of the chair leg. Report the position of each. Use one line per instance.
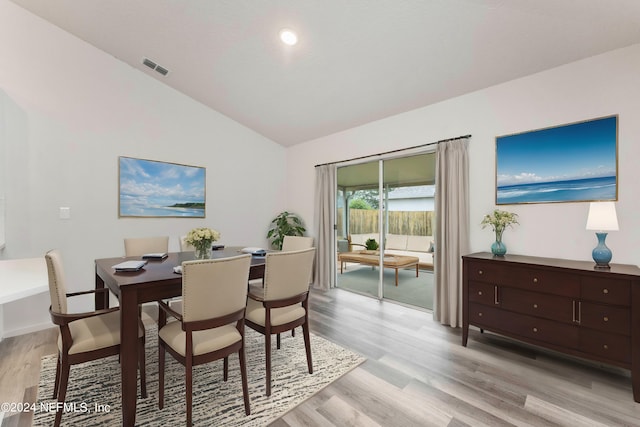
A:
(57, 383)
(267, 353)
(245, 387)
(189, 388)
(160, 376)
(62, 392)
(293, 332)
(278, 341)
(142, 367)
(225, 369)
(307, 344)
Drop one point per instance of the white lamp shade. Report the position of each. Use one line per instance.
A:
(602, 217)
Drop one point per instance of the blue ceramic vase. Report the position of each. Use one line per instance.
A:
(498, 248)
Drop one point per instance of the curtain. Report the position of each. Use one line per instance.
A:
(452, 229)
(324, 226)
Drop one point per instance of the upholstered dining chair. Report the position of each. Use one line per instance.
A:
(138, 246)
(211, 324)
(83, 336)
(295, 243)
(184, 246)
(282, 304)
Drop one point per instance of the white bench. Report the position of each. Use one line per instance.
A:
(21, 278)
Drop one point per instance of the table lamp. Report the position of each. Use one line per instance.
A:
(602, 218)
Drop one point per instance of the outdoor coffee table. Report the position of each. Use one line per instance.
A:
(373, 258)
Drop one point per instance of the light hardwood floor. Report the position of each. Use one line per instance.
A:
(416, 374)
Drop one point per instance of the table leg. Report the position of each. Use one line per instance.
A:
(129, 354)
(101, 298)
(396, 276)
(417, 271)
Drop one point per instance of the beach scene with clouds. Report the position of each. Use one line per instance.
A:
(571, 163)
(158, 189)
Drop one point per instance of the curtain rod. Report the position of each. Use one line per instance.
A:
(394, 151)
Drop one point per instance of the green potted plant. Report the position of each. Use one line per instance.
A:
(285, 224)
(371, 244)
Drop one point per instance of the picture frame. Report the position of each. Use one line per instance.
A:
(575, 162)
(152, 189)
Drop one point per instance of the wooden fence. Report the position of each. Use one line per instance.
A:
(365, 221)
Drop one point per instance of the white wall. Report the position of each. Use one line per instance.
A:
(595, 87)
(81, 110)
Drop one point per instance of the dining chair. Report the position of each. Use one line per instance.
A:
(83, 336)
(138, 246)
(184, 246)
(211, 324)
(282, 304)
(295, 243)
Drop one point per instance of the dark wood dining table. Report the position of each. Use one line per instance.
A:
(155, 281)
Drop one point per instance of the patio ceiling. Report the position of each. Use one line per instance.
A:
(400, 172)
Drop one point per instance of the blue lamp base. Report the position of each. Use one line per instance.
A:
(601, 253)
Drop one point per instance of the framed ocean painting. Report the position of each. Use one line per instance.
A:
(149, 188)
(576, 162)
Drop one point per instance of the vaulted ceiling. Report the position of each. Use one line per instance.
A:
(356, 60)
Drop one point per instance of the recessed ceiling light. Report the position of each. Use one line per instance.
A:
(288, 37)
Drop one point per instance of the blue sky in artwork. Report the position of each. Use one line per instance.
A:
(160, 183)
(576, 151)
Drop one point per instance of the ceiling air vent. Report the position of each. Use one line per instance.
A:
(159, 68)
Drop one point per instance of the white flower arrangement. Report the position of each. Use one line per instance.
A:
(499, 220)
(202, 238)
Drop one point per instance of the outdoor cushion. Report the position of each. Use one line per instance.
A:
(396, 241)
(418, 243)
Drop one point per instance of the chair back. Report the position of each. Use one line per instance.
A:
(287, 273)
(296, 243)
(57, 286)
(184, 246)
(214, 287)
(137, 246)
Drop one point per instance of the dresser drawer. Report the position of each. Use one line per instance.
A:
(485, 316)
(544, 330)
(605, 318)
(608, 346)
(537, 304)
(605, 290)
(525, 327)
(546, 281)
(489, 272)
(482, 293)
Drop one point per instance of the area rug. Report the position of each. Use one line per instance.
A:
(94, 387)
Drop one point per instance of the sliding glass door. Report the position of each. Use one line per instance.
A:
(385, 223)
(358, 228)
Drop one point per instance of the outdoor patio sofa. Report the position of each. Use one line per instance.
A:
(400, 244)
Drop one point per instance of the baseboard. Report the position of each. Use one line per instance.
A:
(27, 330)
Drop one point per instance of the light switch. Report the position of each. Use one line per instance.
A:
(65, 213)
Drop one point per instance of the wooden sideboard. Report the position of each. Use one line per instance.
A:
(563, 305)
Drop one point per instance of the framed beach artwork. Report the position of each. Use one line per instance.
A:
(149, 188)
(576, 162)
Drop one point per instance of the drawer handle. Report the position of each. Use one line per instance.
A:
(480, 314)
(535, 280)
(605, 291)
(606, 347)
(535, 305)
(480, 272)
(479, 292)
(606, 319)
(535, 329)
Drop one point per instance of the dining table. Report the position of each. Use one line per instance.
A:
(156, 280)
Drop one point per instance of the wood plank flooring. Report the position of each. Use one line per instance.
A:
(416, 374)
